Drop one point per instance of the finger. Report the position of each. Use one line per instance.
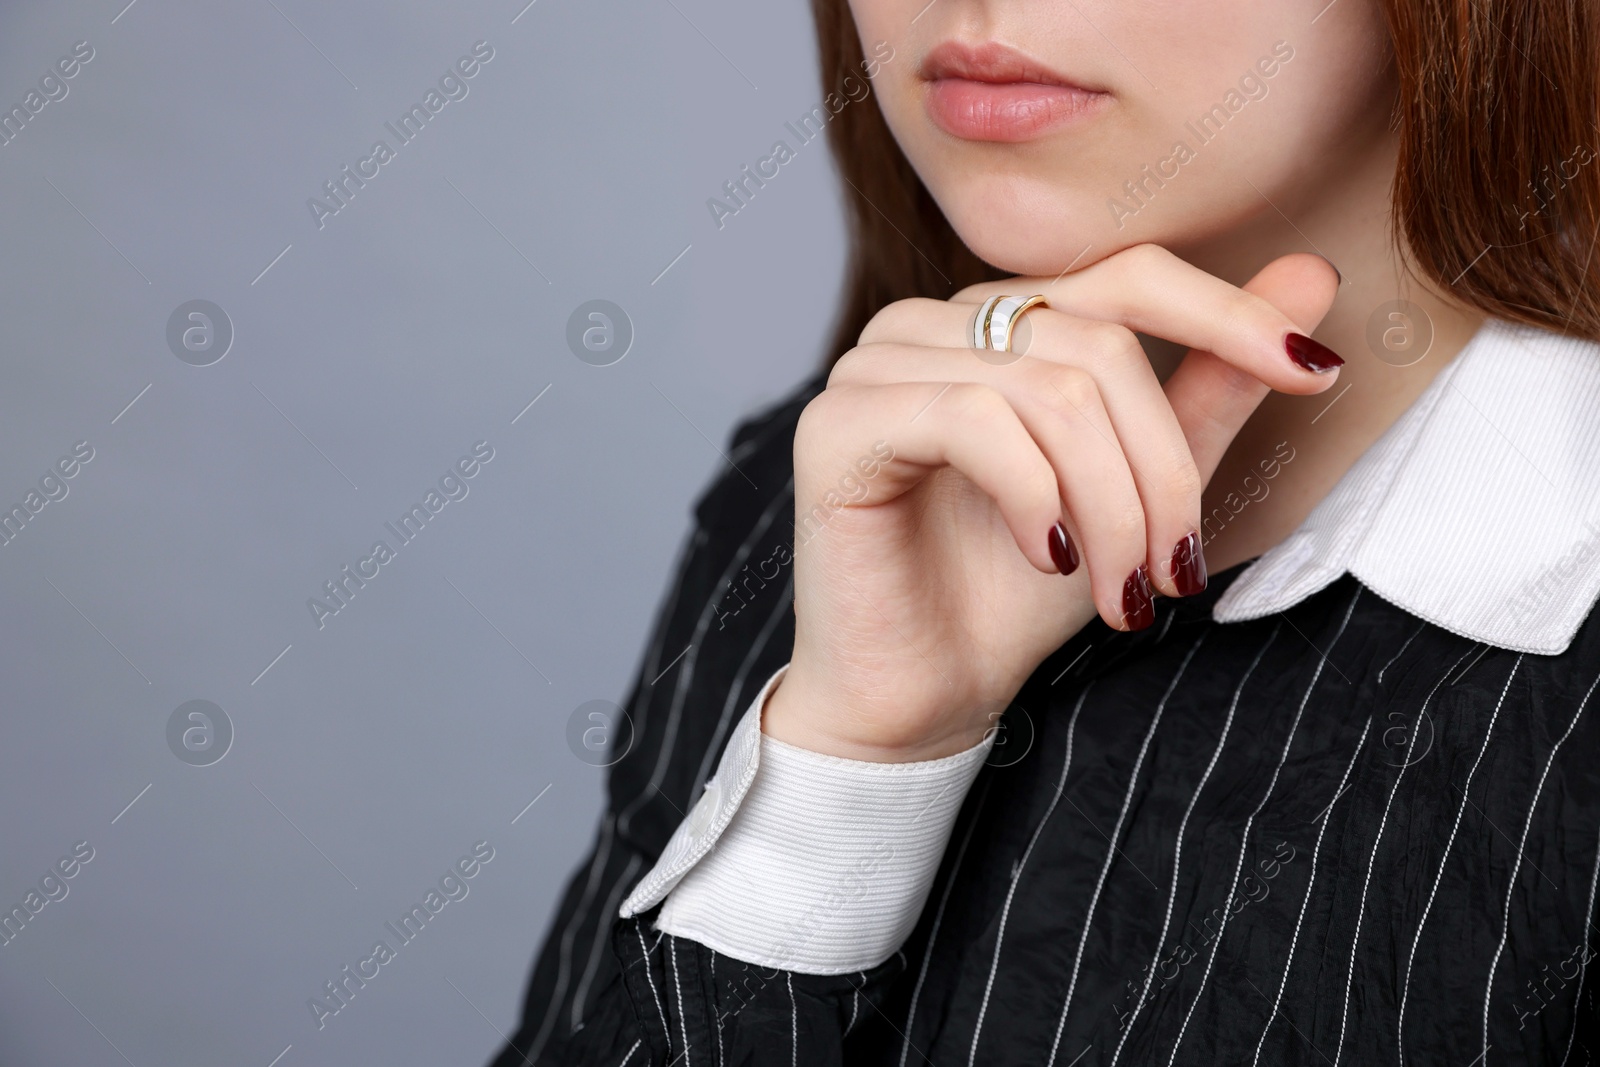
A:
(1119, 452)
(1149, 434)
(925, 427)
(1211, 398)
(1148, 289)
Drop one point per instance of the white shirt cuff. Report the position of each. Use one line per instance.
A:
(802, 861)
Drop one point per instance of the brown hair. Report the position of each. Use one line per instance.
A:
(1496, 194)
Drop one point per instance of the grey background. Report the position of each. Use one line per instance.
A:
(366, 360)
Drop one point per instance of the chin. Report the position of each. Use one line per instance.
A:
(1029, 227)
(1024, 224)
(1037, 239)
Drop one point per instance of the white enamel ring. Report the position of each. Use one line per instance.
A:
(980, 322)
(997, 318)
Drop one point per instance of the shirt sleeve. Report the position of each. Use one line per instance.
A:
(805, 862)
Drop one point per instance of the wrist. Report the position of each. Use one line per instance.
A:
(808, 717)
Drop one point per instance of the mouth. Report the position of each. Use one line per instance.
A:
(991, 92)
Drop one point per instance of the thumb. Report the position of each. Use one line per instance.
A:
(1212, 398)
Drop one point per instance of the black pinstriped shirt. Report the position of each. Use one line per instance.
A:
(1337, 834)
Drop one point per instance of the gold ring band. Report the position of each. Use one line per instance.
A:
(1005, 315)
(980, 322)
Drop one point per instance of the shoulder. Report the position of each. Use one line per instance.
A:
(758, 465)
(755, 429)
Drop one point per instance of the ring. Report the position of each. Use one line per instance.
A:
(998, 317)
(980, 322)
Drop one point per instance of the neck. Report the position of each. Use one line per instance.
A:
(1295, 448)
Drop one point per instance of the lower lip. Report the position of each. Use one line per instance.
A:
(1006, 111)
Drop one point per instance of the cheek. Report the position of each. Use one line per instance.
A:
(888, 22)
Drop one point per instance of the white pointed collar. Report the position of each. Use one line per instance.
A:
(1478, 510)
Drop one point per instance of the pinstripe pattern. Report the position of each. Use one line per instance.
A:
(1366, 884)
(794, 1022)
(1392, 659)
(938, 917)
(1588, 937)
(716, 1015)
(581, 992)
(1511, 883)
(677, 983)
(1183, 825)
(1311, 882)
(583, 916)
(680, 692)
(1116, 832)
(641, 707)
(1426, 909)
(666, 1027)
(649, 673)
(1164, 813)
(1244, 838)
(570, 932)
(1016, 876)
(736, 700)
(1402, 526)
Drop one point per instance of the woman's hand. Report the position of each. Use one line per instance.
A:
(930, 478)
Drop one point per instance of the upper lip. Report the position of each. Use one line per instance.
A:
(990, 62)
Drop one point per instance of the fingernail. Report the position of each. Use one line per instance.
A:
(1189, 566)
(1138, 607)
(1062, 551)
(1311, 355)
(1336, 271)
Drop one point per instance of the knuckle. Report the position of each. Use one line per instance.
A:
(1126, 524)
(1042, 489)
(1184, 484)
(1112, 341)
(813, 418)
(872, 363)
(1175, 475)
(1145, 257)
(869, 363)
(880, 321)
(890, 320)
(844, 369)
(1246, 312)
(821, 414)
(978, 404)
(1063, 390)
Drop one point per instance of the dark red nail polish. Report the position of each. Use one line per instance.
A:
(1063, 553)
(1189, 566)
(1311, 355)
(1138, 604)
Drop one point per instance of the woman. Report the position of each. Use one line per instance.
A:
(1335, 803)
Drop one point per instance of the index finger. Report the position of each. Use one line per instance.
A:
(1213, 398)
(1149, 289)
